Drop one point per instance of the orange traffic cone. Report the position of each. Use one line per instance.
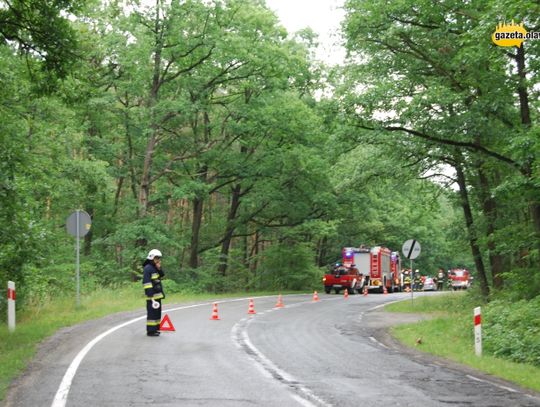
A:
(365, 291)
(279, 303)
(251, 309)
(385, 291)
(215, 315)
(315, 296)
(346, 294)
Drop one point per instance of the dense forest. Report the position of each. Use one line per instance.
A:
(205, 129)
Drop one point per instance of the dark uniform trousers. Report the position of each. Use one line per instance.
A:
(154, 292)
(153, 316)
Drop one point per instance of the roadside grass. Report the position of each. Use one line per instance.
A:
(39, 321)
(450, 335)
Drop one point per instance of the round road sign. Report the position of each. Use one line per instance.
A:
(78, 223)
(411, 249)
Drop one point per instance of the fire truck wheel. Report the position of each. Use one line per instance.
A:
(337, 290)
(327, 290)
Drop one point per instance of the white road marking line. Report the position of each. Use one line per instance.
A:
(302, 401)
(239, 333)
(492, 383)
(377, 342)
(61, 395)
(469, 376)
(60, 398)
(382, 305)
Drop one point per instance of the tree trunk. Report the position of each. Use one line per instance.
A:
(525, 113)
(522, 87)
(153, 96)
(321, 251)
(489, 207)
(144, 190)
(254, 254)
(226, 243)
(119, 185)
(473, 240)
(198, 206)
(245, 249)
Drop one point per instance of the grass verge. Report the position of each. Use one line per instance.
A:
(450, 335)
(40, 321)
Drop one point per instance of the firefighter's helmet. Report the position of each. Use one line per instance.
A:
(153, 253)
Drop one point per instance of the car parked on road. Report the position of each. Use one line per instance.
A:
(430, 284)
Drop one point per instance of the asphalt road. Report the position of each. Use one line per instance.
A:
(334, 352)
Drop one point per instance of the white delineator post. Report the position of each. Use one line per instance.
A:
(477, 332)
(11, 305)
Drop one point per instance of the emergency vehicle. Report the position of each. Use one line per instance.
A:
(379, 266)
(459, 279)
(344, 277)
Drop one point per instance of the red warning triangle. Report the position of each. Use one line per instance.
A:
(166, 324)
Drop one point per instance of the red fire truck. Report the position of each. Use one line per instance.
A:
(379, 265)
(459, 279)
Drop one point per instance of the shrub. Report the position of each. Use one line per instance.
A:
(289, 267)
(512, 330)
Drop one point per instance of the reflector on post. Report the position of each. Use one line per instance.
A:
(477, 331)
(11, 305)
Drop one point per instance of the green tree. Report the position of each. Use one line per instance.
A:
(432, 79)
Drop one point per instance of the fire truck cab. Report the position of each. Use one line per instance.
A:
(460, 279)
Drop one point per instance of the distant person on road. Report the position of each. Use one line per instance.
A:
(407, 283)
(440, 280)
(417, 280)
(152, 275)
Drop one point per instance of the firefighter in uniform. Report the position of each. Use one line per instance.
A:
(417, 281)
(440, 280)
(407, 280)
(152, 275)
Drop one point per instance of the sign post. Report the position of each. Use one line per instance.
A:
(11, 305)
(78, 224)
(411, 250)
(477, 331)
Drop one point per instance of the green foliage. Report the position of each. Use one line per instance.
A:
(41, 28)
(449, 304)
(426, 86)
(448, 332)
(223, 118)
(521, 283)
(289, 267)
(511, 330)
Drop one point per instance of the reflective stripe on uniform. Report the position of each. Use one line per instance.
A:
(153, 322)
(155, 276)
(158, 296)
(147, 285)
